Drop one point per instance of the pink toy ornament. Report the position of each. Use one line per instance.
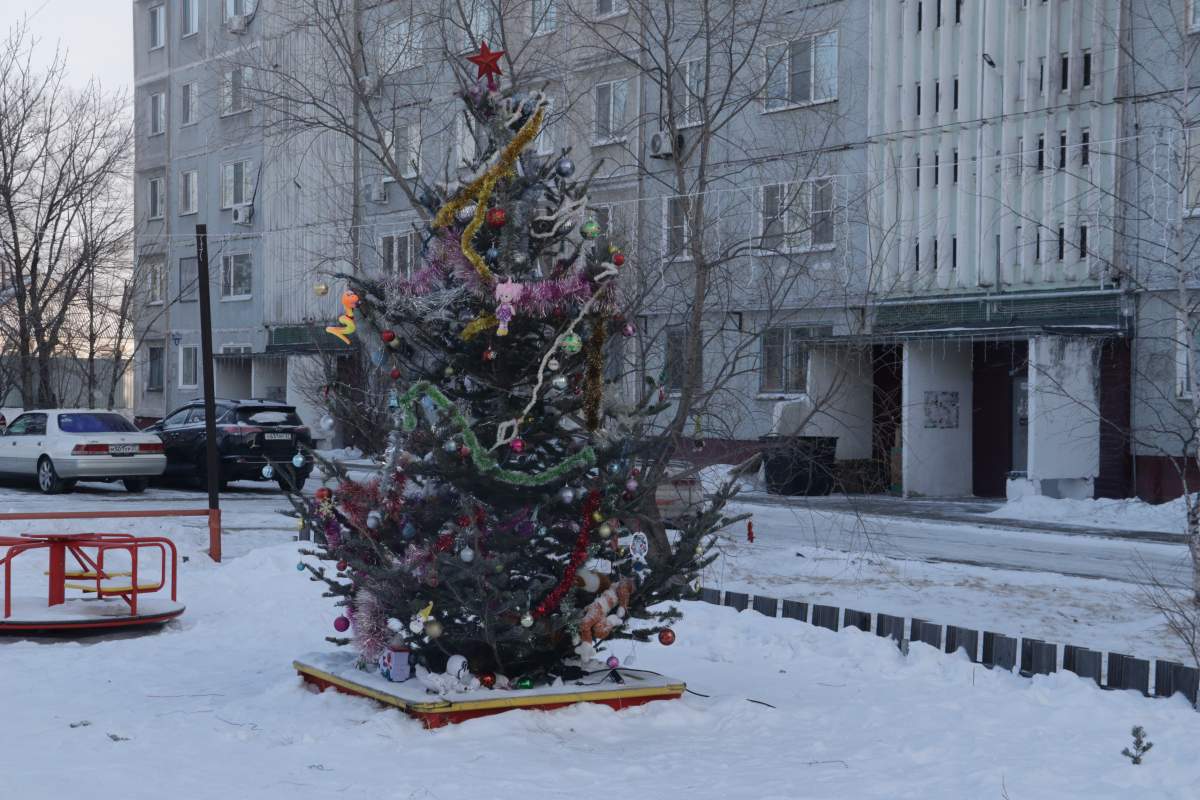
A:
(507, 295)
(613, 662)
(341, 624)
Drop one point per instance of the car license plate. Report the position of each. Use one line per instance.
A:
(277, 436)
(122, 449)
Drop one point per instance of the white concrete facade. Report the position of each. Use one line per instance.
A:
(936, 426)
(1064, 416)
(961, 95)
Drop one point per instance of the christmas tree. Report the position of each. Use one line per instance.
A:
(504, 539)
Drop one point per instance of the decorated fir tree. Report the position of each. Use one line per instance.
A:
(503, 540)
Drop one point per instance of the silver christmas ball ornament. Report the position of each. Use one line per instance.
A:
(527, 620)
(565, 167)
(467, 555)
(268, 472)
(466, 213)
(559, 382)
(297, 461)
(566, 494)
(327, 423)
(374, 519)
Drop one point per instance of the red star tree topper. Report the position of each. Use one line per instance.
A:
(488, 62)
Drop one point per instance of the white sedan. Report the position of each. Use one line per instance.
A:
(61, 446)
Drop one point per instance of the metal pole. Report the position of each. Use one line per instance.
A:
(210, 403)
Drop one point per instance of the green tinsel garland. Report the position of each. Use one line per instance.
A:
(484, 462)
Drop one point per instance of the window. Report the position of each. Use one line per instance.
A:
(189, 279)
(1192, 166)
(676, 360)
(1020, 153)
(954, 171)
(154, 198)
(239, 8)
(545, 16)
(1185, 331)
(1041, 152)
(189, 191)
(937, 163)
(917, 171)
(1083, 241)
(547, 139)
(237, 184)
(156, 281)
(802, 71)
(1085, 147)
(937, 97)
(677, 226)
(1020, 80)
(938, 5)
(1037, 244)
(399, 253)
(1064, 72)
(953, 252)
(958, 9)
(398, 45)
(611, 107)
(406, 142)
(920, 17)
(1062, 149)
(158, 114)
(239, 350)
(797, 216)
(237, 276)
(190, 17)
(917, 94)
(188, 104)
(605, 8)
(1019, 243)
(1041, 76)
(234, 96)
(935, 252)
(479, 23)
(154, 367)
(956, 93)
(783, 365)
(464, 140)
(916, 255)
(1087, 68)
(1062, 242)
(158, 27)
(688, 91)
(189, 366)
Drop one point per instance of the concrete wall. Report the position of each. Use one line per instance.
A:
(1064, 416)
(300, 371)
(936, 425)
(840, 385)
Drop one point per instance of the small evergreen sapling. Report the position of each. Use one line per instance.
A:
(1140, 745)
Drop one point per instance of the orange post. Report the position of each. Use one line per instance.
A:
(214, 534)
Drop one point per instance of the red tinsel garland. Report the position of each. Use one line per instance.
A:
(578, 556)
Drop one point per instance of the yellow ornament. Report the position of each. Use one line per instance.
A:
(321, 289)
(426, 612)
(597, 516)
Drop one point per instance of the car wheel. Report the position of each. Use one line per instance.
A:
(48, 480)
(136, 485)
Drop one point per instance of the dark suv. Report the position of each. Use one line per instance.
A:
(250, 435)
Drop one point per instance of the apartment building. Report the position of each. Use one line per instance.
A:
(921, 213)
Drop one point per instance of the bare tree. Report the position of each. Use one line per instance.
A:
(64, 154)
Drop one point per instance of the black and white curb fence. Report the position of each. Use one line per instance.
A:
(1030, 656)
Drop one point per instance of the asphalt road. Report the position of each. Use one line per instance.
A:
(1128, 557)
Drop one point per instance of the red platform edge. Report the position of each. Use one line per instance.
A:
(439, 719)
(77, 626)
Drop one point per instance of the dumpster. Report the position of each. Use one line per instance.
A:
(799, 465)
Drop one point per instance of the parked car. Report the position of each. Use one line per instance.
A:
(251, 434)
(61, 446)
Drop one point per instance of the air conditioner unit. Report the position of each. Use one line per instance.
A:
(237, 23)
(663, 146)
(379, 192)
(243, 214)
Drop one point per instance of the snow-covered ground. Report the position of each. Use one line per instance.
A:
(933, 571)
(212, 709)
(1130, 515)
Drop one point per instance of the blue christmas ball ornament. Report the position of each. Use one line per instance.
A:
(300, 567)
(297, 461)
(492, 255)
(409, 530)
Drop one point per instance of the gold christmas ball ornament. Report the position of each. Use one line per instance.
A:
(605, 531)
(433, 629)
(597, 516)
(321, 289)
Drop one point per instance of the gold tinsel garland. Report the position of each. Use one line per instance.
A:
(593, 388)
(480, 190)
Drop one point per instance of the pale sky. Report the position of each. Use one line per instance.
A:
(97, 34)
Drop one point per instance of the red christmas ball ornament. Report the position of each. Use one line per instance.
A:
(341, 624)
(464, 451)
(666, 637)
(341, 565)
(497, 217)
(618, 259)
(628, 329)
(487, 680)
(517, 445)
(388, 336)
(463, 521)
(444, 543)
(395, 373)
(323, 494)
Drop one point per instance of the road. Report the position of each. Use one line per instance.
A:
(1122, 558)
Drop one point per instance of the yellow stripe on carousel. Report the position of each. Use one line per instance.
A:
(531, 701)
